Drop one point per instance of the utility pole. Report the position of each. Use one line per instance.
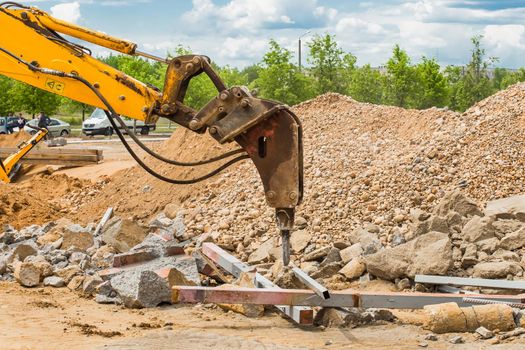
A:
(300, 47)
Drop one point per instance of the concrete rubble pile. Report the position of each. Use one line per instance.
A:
(369, 166)
(125, 263)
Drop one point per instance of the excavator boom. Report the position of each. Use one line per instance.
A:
(32, 50)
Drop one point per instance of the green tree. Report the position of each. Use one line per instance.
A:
(5, 103)
(434, 90)
(500, 75)
(402, 80)
(331, 67)
(251, 72)
(139, 68)
(32, 100)
(475, 84)
(513, 78)
(454, 76)
(280, 80)
(366, 85)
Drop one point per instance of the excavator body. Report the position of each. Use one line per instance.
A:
(33, 51)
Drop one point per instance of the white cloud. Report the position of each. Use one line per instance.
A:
(237, 16)
(69, 11)
(509, 36)
(356, 25)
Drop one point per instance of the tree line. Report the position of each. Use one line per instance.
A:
(400, 82)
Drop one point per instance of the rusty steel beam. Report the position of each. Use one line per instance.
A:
(227, 261)
(303, 297)
(317, 287)
(473, 282)
(300, 314)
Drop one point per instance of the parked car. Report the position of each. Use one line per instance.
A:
(12, 123)
(3, 125)
(56, 127)
(98, 124)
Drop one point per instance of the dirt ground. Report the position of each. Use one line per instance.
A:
(47, 318)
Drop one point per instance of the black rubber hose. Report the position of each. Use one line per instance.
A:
(119, 133)
(167, 160)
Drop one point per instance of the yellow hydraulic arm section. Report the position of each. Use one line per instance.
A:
(33, 51)
(31, 34)
(9, 165)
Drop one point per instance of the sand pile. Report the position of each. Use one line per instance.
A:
(12, 140)
(42, 199)
(363, 164)
(135, 193)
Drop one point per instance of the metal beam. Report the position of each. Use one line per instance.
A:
(317, 287)
(300, 314)
(303, 297)
(474, 282)
(225, 260)
(107, 215)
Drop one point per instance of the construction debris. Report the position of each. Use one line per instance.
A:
(474, 282)
(450, 318)
(58, 156)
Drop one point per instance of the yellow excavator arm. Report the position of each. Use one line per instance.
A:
(9, 166)
(33, 50)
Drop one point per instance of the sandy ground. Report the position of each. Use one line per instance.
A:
(47, 318)
(116, 158)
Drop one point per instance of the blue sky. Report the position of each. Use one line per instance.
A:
(236, 32)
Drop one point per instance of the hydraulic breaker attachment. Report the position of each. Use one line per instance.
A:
(272, 136)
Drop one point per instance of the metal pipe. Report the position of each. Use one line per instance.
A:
(302, 297)
(300, 314)
(317, 287)
(153, 57)
(473, 282)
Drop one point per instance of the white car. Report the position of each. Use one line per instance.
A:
(98, 124)
(56, 127)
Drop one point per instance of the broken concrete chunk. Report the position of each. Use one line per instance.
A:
(20, 251)
(264, 252)
(470, 257)
(458, 202)
(332, 256)
(351, 317)
(160, 246)
(140, 289)
(54, 281)
(27, 274)
(77, 238)
(68, 273)
(514, 204)
(514, 240)
(317, 254)
(328, 270)
(478, 229)
(76, 283)
(368, 240)
(299, 240)
(429, 254)
(484, 333)
(496, 269)
(432, 255)
(488, 246)
(123, 234)
(133, 257)
(351, 252)
(90, 284)
(354, 269)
